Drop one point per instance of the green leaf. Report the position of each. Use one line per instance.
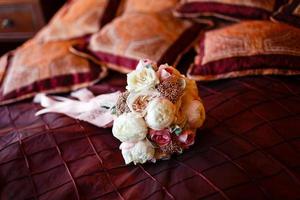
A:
(113, 110)
(176, 129)
(148, 66)
(105, 107)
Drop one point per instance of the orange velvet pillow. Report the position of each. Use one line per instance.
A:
(134, 36)
(79, 18)
(247, 48)
(48, 67)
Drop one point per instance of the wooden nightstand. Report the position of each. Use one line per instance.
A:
(21, 19)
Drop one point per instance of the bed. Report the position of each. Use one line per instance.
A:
(248, 148)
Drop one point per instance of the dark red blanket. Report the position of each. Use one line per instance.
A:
(248, 149)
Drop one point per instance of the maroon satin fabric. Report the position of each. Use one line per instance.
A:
(235, 11)
(248, 149)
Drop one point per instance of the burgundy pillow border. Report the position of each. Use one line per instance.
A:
(114, 62)
(224, 11)
(124, 64)
(285, 13)
(243, 65)
(57, 84)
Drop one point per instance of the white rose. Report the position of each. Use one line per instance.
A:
(195, 113)
(129, 128)
(160, 113)
(140, 152)
(142, 79)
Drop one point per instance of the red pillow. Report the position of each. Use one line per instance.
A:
(228, 9)
(290, 13)
(47, 67)
(247, 48)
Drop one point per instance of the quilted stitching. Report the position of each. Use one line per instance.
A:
(248, 149)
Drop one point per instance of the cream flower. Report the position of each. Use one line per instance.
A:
(192, 106)
(139, 152)
(144, 63)
(126, 156)
(160, 113)
(137, 102)
(143, 79)
(195, 113)
(126, 153)
(129, 128)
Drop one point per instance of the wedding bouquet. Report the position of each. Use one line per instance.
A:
(155, 117)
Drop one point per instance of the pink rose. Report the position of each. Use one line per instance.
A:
(187, 138)
(165, 71)
(160, 137)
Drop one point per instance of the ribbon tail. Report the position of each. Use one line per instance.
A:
(69, 107)
(96, 110)
(44, 100)
(103, 119)
(83, 94)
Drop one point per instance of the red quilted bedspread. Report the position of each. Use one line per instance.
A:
(248, 149)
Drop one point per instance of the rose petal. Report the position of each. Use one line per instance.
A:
(183, 137)
(164, 74)
(127, 145)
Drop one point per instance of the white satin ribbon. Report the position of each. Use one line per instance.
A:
(96, 110)
(83, 94)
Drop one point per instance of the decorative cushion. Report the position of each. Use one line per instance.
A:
(247, 48)
(229, 9)
(79, 18)
(3, 64)
(289, 13)
(149, 5)
(47, 67)
(157, 36)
